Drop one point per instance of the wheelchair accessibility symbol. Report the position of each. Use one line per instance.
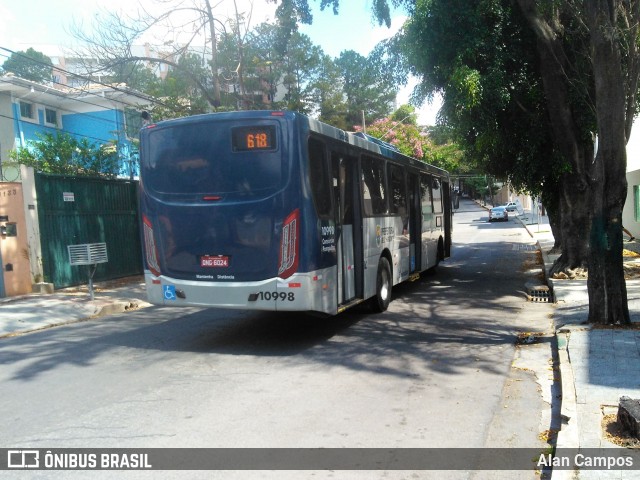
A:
(169, 292)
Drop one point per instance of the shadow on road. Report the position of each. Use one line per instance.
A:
(465, 316)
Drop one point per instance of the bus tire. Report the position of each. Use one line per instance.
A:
(381, 301)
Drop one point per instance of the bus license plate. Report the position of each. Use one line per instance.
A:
(218, 261)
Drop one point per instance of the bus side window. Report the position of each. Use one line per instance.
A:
(437, 197)
(398, 189)
(425, 202)
(319, 177)
(374, 189)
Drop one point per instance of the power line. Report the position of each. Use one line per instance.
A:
(84, 77)
(89, 115)
(83, 135)
(84, 91)
(83, 101)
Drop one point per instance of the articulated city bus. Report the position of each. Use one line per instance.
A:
(272, 210)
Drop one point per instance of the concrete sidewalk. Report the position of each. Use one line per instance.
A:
(28, 313)
(598, 365)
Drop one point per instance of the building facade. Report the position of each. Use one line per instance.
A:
(105, 115)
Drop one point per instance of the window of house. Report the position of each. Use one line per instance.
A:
(636, 201)
(27, 111)
(51, 117)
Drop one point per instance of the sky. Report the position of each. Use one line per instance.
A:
(42, 23)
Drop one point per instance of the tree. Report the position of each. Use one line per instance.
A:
(613, 27)
(302, 62)
(610, 29)
(364, 88)
(328, 95)
(406, 137)
(583, 51)
(64, 154)
(402, 131)
(405, 114)
(185, 27)
(30, 65)
(481, 57)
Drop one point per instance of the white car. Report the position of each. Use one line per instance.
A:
(499, 213)
(511, 206)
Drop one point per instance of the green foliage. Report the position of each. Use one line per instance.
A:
(136, 75)
(30, 65)
(402, 131)
(64, 154)
(301, 62)
(481, 186)
(365, 88)
(405, 114)
(179, 92)
(328, 95)
(481, 56)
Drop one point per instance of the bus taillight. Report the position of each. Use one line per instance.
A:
(150, 250)
(288, 261)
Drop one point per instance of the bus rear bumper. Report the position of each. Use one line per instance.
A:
(313, 292)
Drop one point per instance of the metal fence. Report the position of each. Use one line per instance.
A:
(77, 210)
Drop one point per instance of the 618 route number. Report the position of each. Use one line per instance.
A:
(268, 296)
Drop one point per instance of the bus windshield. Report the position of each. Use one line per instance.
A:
(204, 157)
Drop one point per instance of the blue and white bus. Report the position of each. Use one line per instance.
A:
(272, 210)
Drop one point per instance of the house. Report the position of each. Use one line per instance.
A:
(103, 114)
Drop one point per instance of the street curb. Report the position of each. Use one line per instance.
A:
(110, 308)
(120, 306)
(569, 410)
(568, 435)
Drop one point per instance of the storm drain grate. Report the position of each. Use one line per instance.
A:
(539, 293)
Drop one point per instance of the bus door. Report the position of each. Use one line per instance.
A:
(415, 223)
(343, 181)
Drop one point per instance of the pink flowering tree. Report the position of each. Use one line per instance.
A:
(402, 131)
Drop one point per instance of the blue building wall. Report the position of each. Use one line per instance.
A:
(26, 130)
(98, 127)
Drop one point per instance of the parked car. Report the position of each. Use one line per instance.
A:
(511, 207)
(499, 213)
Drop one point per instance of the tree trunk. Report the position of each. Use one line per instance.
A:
(574, 198)
(606, 285)
(574, 218)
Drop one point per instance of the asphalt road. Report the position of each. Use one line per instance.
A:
(439, 369)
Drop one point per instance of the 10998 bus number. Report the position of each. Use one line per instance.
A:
(268, 296)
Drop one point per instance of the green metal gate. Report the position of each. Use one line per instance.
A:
(75, 210)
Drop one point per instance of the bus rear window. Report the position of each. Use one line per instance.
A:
(202, 157)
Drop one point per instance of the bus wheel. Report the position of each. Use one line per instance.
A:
(381, 301)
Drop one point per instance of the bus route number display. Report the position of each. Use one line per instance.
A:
(246, 139)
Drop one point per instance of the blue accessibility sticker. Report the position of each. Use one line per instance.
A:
(169, 292)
